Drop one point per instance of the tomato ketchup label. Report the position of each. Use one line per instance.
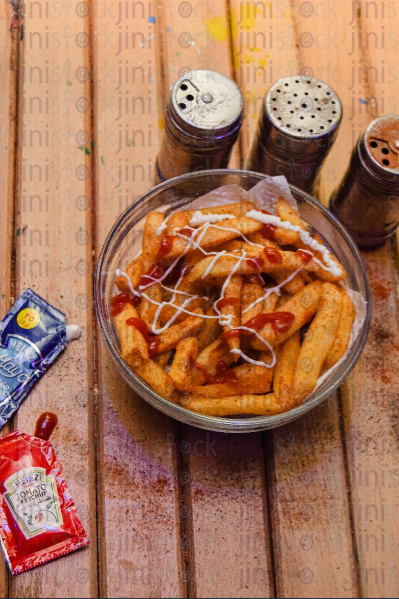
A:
(38, 520)
(33, 500)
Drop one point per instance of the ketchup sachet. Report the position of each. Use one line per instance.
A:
(38, 520)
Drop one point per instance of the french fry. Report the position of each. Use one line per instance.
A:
(163, 359)
(233, 291)
(222, 267)
(292, 287)
(211, 330)
(342, 336)
(134, 347)
(235, 405)
(155, 377)
(303, 305)
(182, 365)
(318, 341)
(249, 378)
(287, 359)
(134, 271)
(287, 213)
(215, 236)
(208, 358)
(151, 245)
(175, 333)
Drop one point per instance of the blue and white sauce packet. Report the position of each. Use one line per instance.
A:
(32, 335)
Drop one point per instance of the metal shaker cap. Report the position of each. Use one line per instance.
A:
(207, 105)
(379, 147)
(301, 114)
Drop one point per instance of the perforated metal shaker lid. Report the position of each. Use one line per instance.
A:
(379, 147)
(206, 104)
(301, 115)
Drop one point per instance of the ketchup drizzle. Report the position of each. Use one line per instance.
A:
(166, 246)
(304, 255)
(273, 255)
(118, 302)
(227, 301)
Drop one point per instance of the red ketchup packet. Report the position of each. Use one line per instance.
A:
(38, 520)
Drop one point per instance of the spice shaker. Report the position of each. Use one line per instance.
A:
(297, 126)
(202, 121)
(367, 199)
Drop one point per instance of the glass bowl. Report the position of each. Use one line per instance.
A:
(124, 241)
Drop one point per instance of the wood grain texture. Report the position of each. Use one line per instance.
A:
(229, 515)
(138, 489)
(307, 487)
(54, 258)
(225, 529)
(370, 393)
(263, 51)
(8, 110)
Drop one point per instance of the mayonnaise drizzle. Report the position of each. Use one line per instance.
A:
(305, 237)
(275, 290)
(198, 218)
(194, 241)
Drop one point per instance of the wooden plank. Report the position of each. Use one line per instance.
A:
(225, 527)
(8, 108)
(197, 37)
(370, 409)
(229, 515)
(54, 258)
(263, 51)
(312, 545)
(138, 492)
(328, 565)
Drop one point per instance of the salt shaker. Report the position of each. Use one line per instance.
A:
(367, 199)
(202, 121)
(297, 126)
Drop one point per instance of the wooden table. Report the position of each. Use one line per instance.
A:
(307, 510)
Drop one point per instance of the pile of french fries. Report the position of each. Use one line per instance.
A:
(193, 284)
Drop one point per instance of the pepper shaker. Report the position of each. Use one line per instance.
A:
(367, 199)
(202, 121)
(297, 127)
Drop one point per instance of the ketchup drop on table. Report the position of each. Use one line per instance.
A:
(45, 425)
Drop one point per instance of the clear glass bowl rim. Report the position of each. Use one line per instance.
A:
(217, 423)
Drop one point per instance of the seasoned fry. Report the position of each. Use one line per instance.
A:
(342, 336)
(287, 213)
(303, 305)
(133, 345)
(232, 293)
(182, 366)
(151, 245)
(211, 330)
(318, 341)
(163, 359)
(235, 405)
(225, 264)
(134, 271)
(284, 372)
(174, 334)
(223, 299)
(156, 377)
(215, 236)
